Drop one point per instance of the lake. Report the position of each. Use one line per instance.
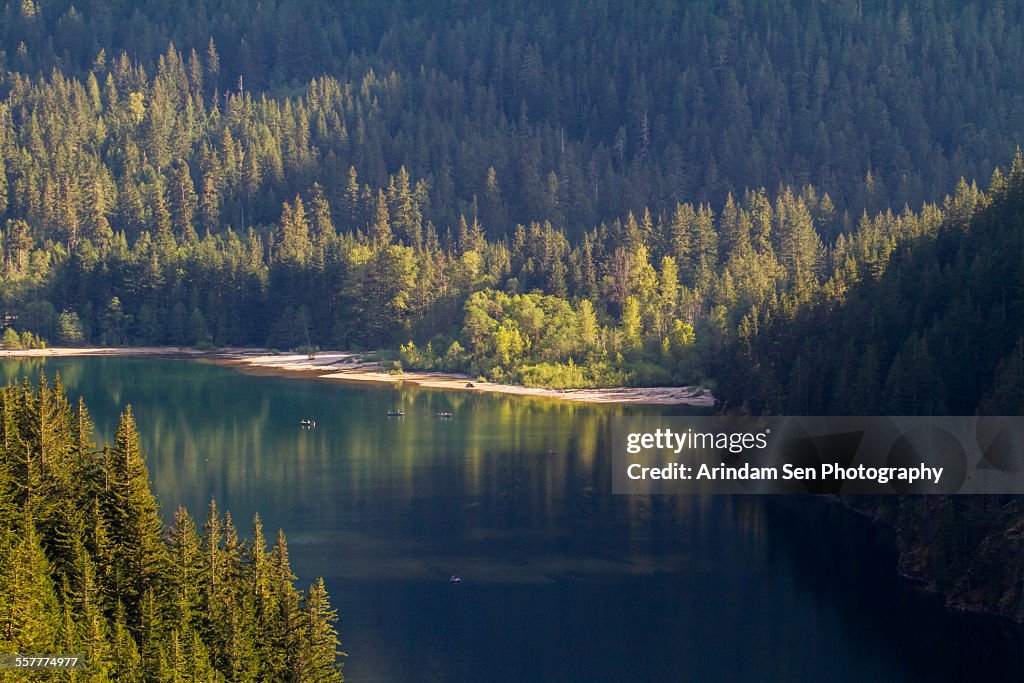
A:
(562, 581)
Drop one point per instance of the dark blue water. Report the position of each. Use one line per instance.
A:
(562, 581)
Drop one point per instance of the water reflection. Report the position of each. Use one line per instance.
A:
(562, 580)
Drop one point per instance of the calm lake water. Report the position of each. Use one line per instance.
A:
(562, 581)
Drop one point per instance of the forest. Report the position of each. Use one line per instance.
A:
(88, 567)
(806, 207)
(645, 298)
(584, 109)
(184, 176)
(523, 205)
(923, 318)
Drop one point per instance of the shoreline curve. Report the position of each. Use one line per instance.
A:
(351, 367)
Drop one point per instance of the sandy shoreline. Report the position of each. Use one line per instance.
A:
(351, 368)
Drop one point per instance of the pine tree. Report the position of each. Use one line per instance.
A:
(735, 231)
(140, 558)
(799, 245)
(131, 210)
(668, 293)
(473, 239)
(99, 230)
(24, 463)
(29, 612)
(211, 198)
(353, 205)
(183, 204)
(631, 326)
(4, 199)
(679, 240)
(124, 652)
(323, 227)
(259, 580)
(187, 570)
(704, 247)
(150, 635)
(492, 209)
(281, 644)
(17, 243)
(94, 629)
(321, 639)
(164, 235)
(404, 211)
(380, 228)
(293, 243)
(66, 205)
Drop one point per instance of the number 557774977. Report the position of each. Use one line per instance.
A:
(22, 662)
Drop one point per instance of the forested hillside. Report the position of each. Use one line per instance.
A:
(87, 567)
(748, 194)
(584, 109)
(918, 320)
(556, 193)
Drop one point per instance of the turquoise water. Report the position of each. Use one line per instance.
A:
(562, 581)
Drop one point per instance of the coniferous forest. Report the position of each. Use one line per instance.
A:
(607, 197)
(808, 207)
(88, 567)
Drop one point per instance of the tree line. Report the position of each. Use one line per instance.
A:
(87, 566)
(920, 316)
(652, 298)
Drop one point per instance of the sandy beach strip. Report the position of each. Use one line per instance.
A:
(351, 367)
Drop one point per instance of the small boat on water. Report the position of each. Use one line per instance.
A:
(455, 579)
(396, 413)
(307, 423)
(445, 415)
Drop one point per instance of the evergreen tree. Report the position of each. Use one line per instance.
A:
(139, 556)
(28, 604)
(294, 245)
(183, 204)
(380, 229)
(93, 573)
(320, 638)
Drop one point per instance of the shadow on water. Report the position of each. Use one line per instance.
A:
(853, 564)
(561, 579)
